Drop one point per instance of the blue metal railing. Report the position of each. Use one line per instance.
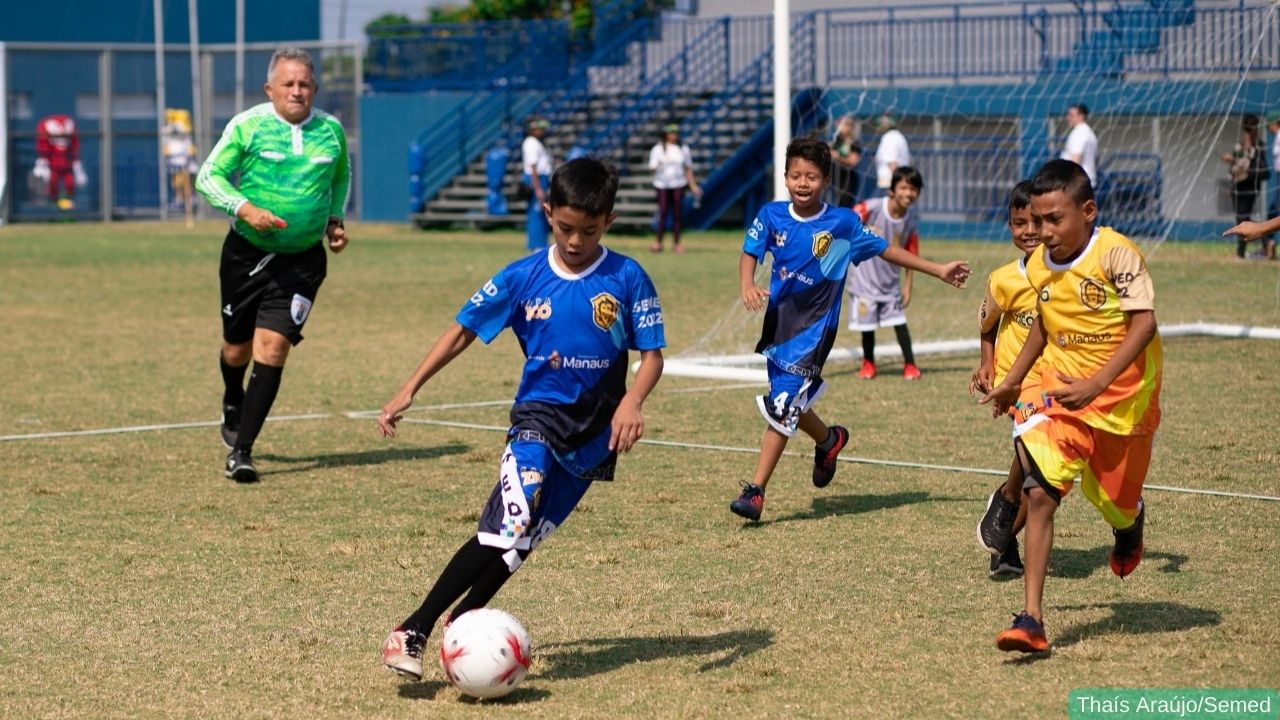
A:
(442, 152)
(698, 66)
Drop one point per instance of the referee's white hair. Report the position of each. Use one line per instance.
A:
(295, 54)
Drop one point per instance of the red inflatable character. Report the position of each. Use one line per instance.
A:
(58, 158)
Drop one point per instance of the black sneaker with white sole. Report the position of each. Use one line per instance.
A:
(230, 425)
(240, 467)
(1008, 564)
(995, 529)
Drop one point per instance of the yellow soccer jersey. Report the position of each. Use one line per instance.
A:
(1011, 302)
(1083, 306)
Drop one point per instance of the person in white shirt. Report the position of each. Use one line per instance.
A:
(672, 166)
(536, 166)
(1082, 144)
(892, 153)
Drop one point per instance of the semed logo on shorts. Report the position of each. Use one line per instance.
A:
(1093, 294)
(822, 243)
(604, 310)
(299, 309)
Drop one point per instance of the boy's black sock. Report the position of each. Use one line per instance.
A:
(1240, 246)
(232, 382)
(827, 442)
(264, 383)
(904, 342)
(869, 346)
(487, 584)
(470, 565)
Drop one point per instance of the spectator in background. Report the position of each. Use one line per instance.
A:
(892, 153)
(672, 166)
(846, 153)
(1273, 127)
(1248, 168)
(1082, 144)
(535, 165)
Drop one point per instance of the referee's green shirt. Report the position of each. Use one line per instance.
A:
(299, 172)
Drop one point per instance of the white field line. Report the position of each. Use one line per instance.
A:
(150, 428)
(860, 460)
(750, 367)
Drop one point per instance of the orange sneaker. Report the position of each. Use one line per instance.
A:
(1026, 635)
(868, 370)
(910, 372)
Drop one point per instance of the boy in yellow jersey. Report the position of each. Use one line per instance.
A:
(1100, 372)
(1008, 311)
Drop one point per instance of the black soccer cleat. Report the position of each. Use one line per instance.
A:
(995, 529)
(825, 455)
(749, 503)
(230, 425)
(1007, 565)
(240, 467)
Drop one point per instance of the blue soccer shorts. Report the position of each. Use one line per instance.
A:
(790, 396)
(534, 496)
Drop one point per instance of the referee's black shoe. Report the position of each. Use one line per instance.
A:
(240, 467)
(230, 425)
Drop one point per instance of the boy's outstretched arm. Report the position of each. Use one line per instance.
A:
(1249, 230)
(754, 297)
(1006, 393)
(953, 273)
(1079, 392)
(628, 421)
(450, 345)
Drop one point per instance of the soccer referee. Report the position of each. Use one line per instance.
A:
(294, 182)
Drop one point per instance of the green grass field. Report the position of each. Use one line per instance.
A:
(138, 582)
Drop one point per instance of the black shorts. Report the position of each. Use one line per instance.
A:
(267, 290)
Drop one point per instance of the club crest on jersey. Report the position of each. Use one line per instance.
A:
(604, 310)
(299, 309)
(1093, 294)
(822, 243)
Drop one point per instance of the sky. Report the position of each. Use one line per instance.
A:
(360, 12)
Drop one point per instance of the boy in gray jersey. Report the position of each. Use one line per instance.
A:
(876, 297)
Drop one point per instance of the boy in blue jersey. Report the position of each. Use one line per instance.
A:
(812, 245)
(577, 309)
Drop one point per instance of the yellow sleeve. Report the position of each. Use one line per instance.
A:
(990, 311)
(1126, 270)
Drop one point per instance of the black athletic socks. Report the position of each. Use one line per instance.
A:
(264, 383)
(869, 346)
(232, 382)
(476, 567)
(904, 342)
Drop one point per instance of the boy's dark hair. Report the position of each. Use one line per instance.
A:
(585, 184)
(813, 150)
(1065, 176)
(908, 173)
(1020, 196)
(1081, 108)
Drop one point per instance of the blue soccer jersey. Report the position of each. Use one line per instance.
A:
(811, 257)
(575, 331)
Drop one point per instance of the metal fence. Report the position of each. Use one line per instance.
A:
(111, 92)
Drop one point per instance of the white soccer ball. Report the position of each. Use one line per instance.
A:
(485, 653)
